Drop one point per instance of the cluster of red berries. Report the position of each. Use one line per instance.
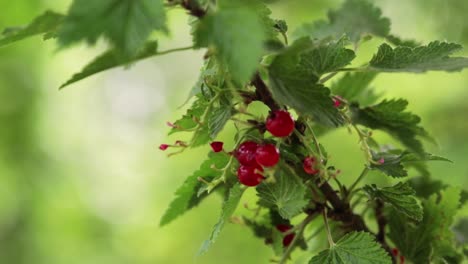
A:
(287, 240)
(254, 157)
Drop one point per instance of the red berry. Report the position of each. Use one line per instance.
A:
(402, 259)
(267, 155)
(163, 147)
(381, 161)
(395, 252)
(336, 103)
(280, 123)
(249, 176)
(217, 146)
(309, 165)
(245, 153)
(288, 238)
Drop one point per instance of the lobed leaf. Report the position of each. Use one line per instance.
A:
(390, 116)
(401, 196)
(294, 74)
(355, 247)
(286, 194)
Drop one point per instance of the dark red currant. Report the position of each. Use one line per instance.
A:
(163, 147)
(245, 153)
(395, 252)
(250, 175)
(217, 146)
(267, 155)
(309, 165)
(288, 238)
(280, 123)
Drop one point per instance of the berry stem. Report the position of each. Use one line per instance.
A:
(301, 227)
(361, 176)
(327, 227)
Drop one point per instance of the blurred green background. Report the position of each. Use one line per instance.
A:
(82, 180)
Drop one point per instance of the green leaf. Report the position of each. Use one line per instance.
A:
(355, 18)
(433, 57)
(396, 162)
(111, 59)
(229, 206)
(355, 247)
(228, 30)
(295, 72)
(186, 196)
(127, 24)
(193, 116)
(355, 87)
(400, 196)
(429, 239)
(390, 116)
(286, 194)
(46, 23)
(397, 41)
(218, 118)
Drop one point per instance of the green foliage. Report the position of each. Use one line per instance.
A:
(227, 30)
(186, 196)
(229, 206)
(111, 59)
(356, 18)
(431, 240)
(127, 24)
(286, 194)
(433, 57)
(355, 87)
(46, 24)
(400, 196)
(294, 76)
(249, 58)
(355, 247)
(390, 116)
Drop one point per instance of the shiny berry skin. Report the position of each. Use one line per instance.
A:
(288, 238)
(267, 155)
(280, 123)
(249, 175)
(217, 146)
(163, 147)
(309, 165)
(245, 153)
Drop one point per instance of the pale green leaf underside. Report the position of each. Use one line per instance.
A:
(354, 248)
(286, 194)
(229, 206)
(43, 24)
(401, 196)
(111, 59)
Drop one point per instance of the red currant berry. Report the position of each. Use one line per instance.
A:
(395, 252)
(217, 146)
(249, 175)
(309, 165)
(288, 238)
(163, 147)
(245, 153)
(280, 123)
(336, 103)
(267, 155)
(402, 259)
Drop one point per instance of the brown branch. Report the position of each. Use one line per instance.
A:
(263, 94)
(381, 221)
(193, 8)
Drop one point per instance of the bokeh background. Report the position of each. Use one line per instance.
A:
(82, 180)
